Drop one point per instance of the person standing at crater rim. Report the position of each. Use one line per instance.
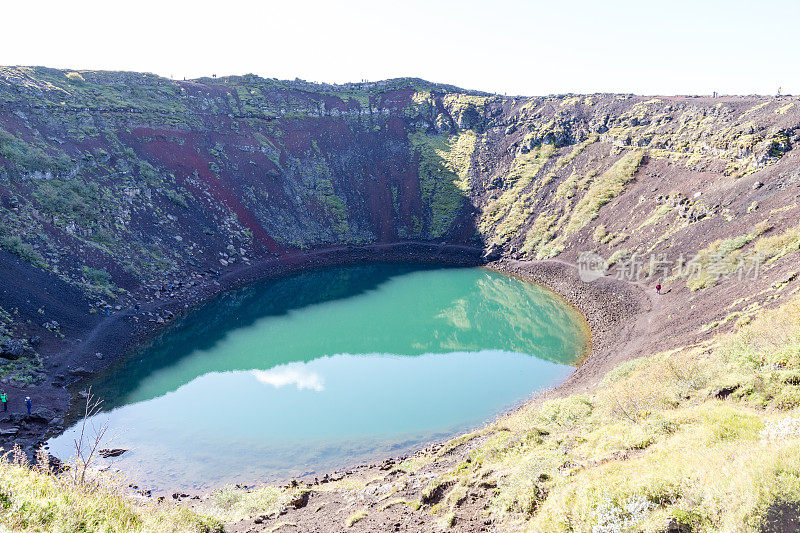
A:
(4, 399)
(658, 288)
(28, 404)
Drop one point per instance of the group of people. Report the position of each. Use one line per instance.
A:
(4, 400)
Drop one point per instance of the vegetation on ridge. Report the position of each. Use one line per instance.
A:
(443, 165)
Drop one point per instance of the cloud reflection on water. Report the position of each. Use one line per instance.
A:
(291, 374)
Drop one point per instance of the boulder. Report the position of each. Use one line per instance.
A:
(41, 415)
(493, 253)
(12, 349)
(299, 501)
(112, 452)
(56, 465)
(673, 526)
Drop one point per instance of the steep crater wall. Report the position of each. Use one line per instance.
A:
(125, 196)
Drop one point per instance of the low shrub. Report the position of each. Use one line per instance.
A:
(29, 157)
(22, 249)
(74, 199)
(97, 276)
(356, 517)
(232, 503)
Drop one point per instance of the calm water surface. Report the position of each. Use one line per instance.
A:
(327, 369)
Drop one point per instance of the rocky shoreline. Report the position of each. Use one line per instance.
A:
(616, 311)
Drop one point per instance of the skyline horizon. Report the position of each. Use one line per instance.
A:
(713, 94)
(517, 47)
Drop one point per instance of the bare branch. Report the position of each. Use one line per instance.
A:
(85, 449)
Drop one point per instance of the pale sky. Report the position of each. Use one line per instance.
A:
(505, 46)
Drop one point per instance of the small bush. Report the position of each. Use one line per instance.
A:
(70, 198)
(103, 237)
(622, 371)
(355, 517)
(726, 423)
(21, 249)
(725, 257)
(75, 77)
(149, 173)
(599, 233)
(779, 245)
(28, 157)
(565, 411)
(619, 255)
(97, 276)
(539, 235)
(787, 398)
(604, 189)
(232, 503)
(176, 197)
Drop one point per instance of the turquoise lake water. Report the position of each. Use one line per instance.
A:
(329, 368)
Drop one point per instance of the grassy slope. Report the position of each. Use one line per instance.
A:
(32, 498)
